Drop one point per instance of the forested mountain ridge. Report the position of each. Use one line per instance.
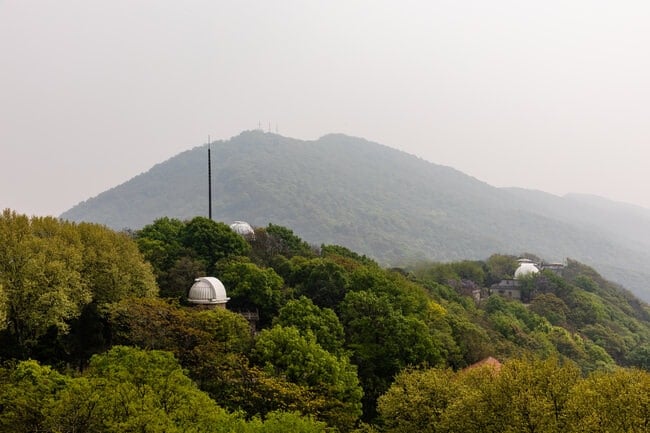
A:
(373, 199)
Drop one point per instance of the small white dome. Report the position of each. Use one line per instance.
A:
(207, 290)
(242, 228)
(525, 268)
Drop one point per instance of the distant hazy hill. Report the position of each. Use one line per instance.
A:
(381, 202)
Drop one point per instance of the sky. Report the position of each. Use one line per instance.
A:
(548, 95)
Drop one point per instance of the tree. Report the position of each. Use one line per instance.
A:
(323, 323)
(534, 393)
(640, 357)
(274, 241)
(284, 352)
(289, 244)
(160, 242)
(282, 422)
(383, 341)
(113, 267)
(161, 245)
(23, 393)
(156, 324)
(212, 241)
(128, 389)
(252, 288)
(144, 389)
(341, 251)
(472, 340)
(124, 389)
(41, 267)
(550, 306)
(55, 275)
(611, 402)
(522, 395)
(178, 279)
(321, 280)
(3, 309)
(470, 270)
(417, 400)
(499, 267)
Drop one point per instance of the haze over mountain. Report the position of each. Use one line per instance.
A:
(381, 202)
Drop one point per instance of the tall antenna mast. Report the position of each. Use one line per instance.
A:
(209, 181)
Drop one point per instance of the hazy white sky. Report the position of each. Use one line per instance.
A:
(551, 95)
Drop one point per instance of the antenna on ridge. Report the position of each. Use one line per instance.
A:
(209, 181)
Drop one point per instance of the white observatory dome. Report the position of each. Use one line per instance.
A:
(526, 268)
(207, 291)
(242, 228)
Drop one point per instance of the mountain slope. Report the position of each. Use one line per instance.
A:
(371, 198)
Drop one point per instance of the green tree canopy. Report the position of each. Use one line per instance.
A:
(323, 323)
(383, 341)
(113, 267)
(212, 241)
(41, 267)
(252, 288)
(284, 352)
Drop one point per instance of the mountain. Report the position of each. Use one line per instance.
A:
(378, 201)
(625, 223)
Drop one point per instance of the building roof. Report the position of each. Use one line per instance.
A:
(525, 269)
(207, 291)
(242, 228)
(490, 362)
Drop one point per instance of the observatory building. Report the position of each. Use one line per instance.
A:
(208, 291)
(526, 268)
(509, 288)
(242, 228)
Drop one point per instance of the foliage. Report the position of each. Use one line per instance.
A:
(323, 323)
(40, 271)
(338, 332)
(321, 280)
(182, 251)
(50, 270)
(550, 306)
(282, 422)
(288, 243)
(190, 334)
(125, 389)
(113, 267)
(24, 391)
(212, 241)
(284, 352)
(611, 402)
(523, 395)
(341, 251)
(417, 399)
(252, 288)
(213, 346)
(383, 341)
(499, 267)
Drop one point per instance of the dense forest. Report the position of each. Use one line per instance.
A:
(96, 335)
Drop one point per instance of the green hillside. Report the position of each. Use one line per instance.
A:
(378, 201)
(98, 332)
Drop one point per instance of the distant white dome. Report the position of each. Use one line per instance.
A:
(526, 268)
(207, 291)
(242, 228)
